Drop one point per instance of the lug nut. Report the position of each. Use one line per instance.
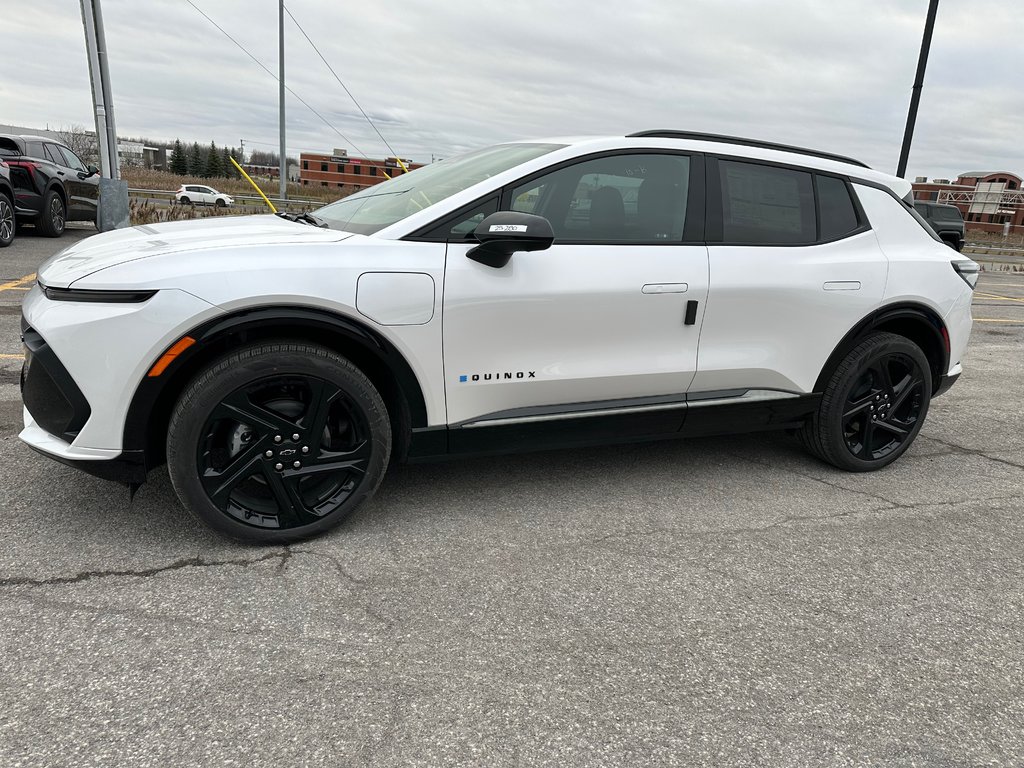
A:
(277, 438)
(279, 466)
(295, 437)
(269, 454)
(305, 449)
(297, 464)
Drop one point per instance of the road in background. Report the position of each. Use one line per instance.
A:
(725, 601)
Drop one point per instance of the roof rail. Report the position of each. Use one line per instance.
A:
(695, 136)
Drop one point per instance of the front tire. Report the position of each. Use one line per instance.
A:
(53, 217)
(278, 442)
(873, 405)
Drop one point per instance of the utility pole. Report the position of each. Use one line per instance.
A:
(241, 149)
(280, 80)
(915, 95)
(113, 209)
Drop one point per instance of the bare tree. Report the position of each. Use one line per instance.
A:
(81, 142)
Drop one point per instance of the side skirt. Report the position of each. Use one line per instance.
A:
(701, 415)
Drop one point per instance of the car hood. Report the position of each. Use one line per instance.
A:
(123, 245)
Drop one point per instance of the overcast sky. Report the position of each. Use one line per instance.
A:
(440, 77)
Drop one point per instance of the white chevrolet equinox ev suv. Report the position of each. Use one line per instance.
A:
(530, 295)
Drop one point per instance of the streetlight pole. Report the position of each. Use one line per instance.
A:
(284, 161)
(915, 95)
(113, 192)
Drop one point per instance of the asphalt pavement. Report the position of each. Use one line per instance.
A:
(715, 602)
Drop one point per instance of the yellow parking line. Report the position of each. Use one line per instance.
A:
(995, 320)
(999, 298)
(19, 283)
(12, 357)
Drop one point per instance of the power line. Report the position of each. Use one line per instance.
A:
(287, 88)
(342, 84)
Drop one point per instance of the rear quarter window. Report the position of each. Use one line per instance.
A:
(838, 216)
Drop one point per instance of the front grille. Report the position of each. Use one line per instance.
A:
(48, 391)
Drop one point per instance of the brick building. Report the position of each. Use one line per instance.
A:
(337, 169)
(988, 200)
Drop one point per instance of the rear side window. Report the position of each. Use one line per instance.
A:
(34, 149)
(764, 205)
(838, 217)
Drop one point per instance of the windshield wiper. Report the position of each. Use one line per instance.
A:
(304, 218)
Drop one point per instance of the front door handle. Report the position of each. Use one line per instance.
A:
(664, 288)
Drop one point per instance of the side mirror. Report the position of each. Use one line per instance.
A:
(92, 169)
(503, 233)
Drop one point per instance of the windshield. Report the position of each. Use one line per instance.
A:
(391, 201)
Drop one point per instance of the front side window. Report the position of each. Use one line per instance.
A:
(638, 198)
(387, 203)
(71, 159)
(53, 154)
(764, 205)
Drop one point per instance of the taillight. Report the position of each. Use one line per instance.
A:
(969, 270)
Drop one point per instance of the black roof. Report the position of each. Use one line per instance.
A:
(695, 136)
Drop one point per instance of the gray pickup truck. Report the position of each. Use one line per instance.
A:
(946, 220)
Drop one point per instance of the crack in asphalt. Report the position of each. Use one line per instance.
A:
(784, 521)
(974, 452)
(177, 565)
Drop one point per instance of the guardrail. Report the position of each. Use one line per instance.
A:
(292, 204)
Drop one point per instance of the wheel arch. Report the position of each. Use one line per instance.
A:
(154, 399)
(917, 322)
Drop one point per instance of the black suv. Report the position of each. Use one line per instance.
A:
(946, 220)
(51, 184)
(6, 205)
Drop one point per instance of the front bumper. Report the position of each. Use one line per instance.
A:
(121, 466)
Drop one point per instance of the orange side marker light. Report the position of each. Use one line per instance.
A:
(168, 357)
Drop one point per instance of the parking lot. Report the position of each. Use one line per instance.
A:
(725, 601)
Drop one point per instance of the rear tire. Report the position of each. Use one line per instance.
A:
(53, 217)
(7, 223)
(873, 406)
(184, 201)
(278, 442)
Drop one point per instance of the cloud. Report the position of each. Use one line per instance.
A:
(439, 78)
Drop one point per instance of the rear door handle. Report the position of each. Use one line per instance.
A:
(691, 313)
(665, 288)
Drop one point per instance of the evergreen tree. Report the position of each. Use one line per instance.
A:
(229, 169)
(196, 160)
(178, 163)
(214, 163)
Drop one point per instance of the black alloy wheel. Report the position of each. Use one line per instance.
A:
(883, 406)
(7, 225)
(283, 443)
(873, 405)
(53, 217)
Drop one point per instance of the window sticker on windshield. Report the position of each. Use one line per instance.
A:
(507, 228)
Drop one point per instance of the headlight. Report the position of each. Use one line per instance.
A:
(105, 297)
